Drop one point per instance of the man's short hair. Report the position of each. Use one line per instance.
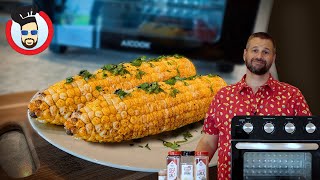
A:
(262, 35)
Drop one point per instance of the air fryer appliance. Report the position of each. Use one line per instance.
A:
(275, 147)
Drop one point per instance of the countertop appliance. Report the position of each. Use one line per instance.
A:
(275, 147)
(204, 29)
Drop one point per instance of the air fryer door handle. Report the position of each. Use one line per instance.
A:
(277, 146)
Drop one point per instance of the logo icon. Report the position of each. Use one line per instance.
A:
(29, 32)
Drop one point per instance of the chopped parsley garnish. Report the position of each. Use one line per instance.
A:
(116, 69)
(85, 74)
(176, 144)
(121, 93)
(157, 58)
(177, 56)
(211, 89)
(104, 74)
(192, 77)
(151, 88)
(173, 80)
(99, 88)
(213, 75)
(178, 72)
(140, 74)
(187, 135)
(138, 61)
(171, 145)
(151, 65)
(174, 92)
(147, 146)
(69, 80)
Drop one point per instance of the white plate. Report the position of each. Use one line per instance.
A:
(119, 155)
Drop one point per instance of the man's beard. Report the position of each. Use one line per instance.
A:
(29, 46)
(258, 70)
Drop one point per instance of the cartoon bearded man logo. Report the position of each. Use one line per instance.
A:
(25, 16)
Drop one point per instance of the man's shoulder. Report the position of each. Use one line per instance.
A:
(227, 89)
(286, 87)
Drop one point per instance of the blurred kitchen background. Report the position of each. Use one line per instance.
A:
(212, 33)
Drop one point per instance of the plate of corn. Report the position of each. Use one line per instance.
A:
(129, 115)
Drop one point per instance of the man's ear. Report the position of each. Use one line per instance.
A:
(244, 54)
(274, 58)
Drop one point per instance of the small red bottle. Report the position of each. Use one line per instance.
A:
(201, 170)
(173, 165)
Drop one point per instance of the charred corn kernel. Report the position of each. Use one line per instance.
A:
(55, 97)
(95, 93)
(83, 99)
(60, 103)
(77, 100)
(48, 99)
(104, 119)
(69, 102)
(146, 116)
(83, 87)
(46, 113)
(70, 93)
(44, 106)
(96, 121)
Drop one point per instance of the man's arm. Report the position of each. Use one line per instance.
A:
(208, 143)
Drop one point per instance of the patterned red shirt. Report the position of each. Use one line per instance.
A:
(273, 98)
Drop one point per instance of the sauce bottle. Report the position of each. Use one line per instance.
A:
(201, 165)
(186, 168)
(173, 165)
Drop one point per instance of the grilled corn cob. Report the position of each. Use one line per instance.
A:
(145, 110)
(56, 104)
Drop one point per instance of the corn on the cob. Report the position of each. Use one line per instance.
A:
(147, 110)
(56, 104)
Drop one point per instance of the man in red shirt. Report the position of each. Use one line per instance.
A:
(257, 93)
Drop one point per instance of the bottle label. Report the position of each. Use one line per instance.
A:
(186, 172)
(201, 170)
(172, 171)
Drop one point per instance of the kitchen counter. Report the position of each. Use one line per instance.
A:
(41, 159)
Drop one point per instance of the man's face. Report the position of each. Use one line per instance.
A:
(259, 56)
(29, 35)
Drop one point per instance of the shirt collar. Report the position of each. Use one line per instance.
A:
(243, 85)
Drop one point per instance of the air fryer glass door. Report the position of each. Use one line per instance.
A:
(277, 165)
(192, 20)
(196, 20)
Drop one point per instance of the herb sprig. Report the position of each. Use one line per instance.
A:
(151, 87)
(85, 74)
(121, 93)
(69, 80)
(116, 69)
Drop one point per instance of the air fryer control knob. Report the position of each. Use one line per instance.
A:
(289, 128)
(310, 128)
(268, 128)
(247, 127)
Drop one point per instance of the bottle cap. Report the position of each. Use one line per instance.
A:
(187, 153)
(174, 153)
(201, 153)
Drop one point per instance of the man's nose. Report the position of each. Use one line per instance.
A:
(259, 55)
